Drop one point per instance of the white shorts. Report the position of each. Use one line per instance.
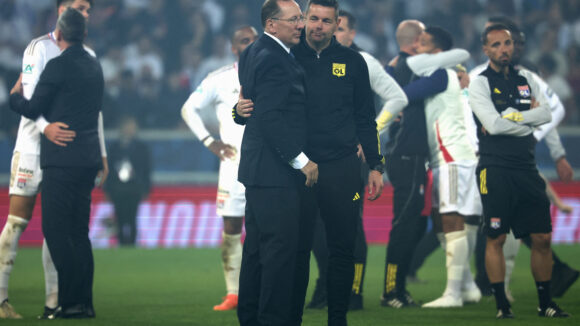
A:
(455, 189)
(231, 196)
(25, 175)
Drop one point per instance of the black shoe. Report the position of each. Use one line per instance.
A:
(394, 300)
(356, 302)
(562, 280)
(46, 313)
(79, 311)
(409, 300)
(504, 313)
(318, 297)
(553, 311)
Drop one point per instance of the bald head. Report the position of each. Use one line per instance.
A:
(408, 33)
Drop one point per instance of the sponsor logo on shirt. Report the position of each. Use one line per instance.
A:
(27, 69)
(339, 69)
(495, 223)
(524, 91)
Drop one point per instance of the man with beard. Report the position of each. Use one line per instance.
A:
(508, 106)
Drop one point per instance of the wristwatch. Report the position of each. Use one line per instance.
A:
(379, 168)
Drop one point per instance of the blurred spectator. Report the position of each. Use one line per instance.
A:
(143, 60)
(129, 181)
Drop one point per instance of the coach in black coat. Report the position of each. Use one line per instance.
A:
(270, 167)
(70, 90)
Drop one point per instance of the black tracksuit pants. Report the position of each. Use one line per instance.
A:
(320, 249)
(408, 176)
(338, 198)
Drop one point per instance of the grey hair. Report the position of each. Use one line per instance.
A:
(72, 25)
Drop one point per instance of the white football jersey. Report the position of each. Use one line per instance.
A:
(36, 56)
(447, 134)
(219, 90)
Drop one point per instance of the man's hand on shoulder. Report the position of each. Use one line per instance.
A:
(310, 170)
(58, 133)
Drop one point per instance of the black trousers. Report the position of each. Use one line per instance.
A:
(320, 249)
(338, 199)
(407, 175)
(275, 255)
(66, 206)
(126, 207)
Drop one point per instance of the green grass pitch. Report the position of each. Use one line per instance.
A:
(180, 286)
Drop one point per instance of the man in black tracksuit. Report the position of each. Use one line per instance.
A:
(406, 155)
(508, 104)
(340, 116)
(340, 106)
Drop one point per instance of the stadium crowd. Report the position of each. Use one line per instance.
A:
(154, 52)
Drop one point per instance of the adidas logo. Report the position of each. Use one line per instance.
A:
(395, 303)
(356, 197)
(550, 312)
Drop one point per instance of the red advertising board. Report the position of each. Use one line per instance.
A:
(185, 217)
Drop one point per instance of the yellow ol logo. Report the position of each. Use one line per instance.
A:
(339, 69)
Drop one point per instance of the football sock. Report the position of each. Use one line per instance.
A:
(442, 241)
(467, 279)
(510, 251)
(456, 257)
(50, 278)
(232, 261)
(544, 294)
(501, 300)
(8, 245)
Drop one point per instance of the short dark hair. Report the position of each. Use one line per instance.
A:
(441, 38)
(491, 28)
(241, 28)
(351, 18)
(72, 25)
(503, 20)
(324, 3)
(270, 8)
(61, 2)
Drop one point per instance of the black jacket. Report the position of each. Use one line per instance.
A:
(505, 150)
(340, 103)
(409, 135)
(276, 132)
(70, 90)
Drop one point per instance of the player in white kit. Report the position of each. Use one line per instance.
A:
(220, 90)
(453, 162)
(26, 174)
